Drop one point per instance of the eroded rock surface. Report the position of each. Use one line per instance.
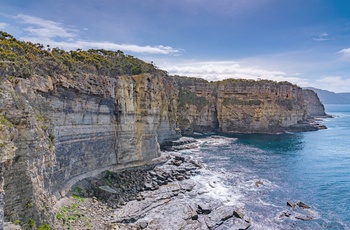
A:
(162, 200)
(56, 131)
(244, 106)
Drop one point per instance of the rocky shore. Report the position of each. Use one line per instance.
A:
(178, 194)
(169, 196)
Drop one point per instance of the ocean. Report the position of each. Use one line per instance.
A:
(260, 173)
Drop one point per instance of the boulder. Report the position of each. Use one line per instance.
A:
(238, 214)
(148, 186)
(143, 224)
(257, 183)
(302, 205)
(285, 214)
(305, 218)
(203, 208)
(291, 204)
(180, 158)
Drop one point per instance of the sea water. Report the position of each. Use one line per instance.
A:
(266, 171)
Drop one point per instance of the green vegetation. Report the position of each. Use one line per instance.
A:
(187, 97)
(5, 122)
(29, 204)
(238, 101)
(51, 141)
(69, 214)
(44, 227)
(31, 223)
(78, 198)
(17, 222)
(77, 189)
(39, 117)
(23, 59)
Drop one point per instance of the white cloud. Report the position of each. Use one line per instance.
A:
(3, 25)
(322, 37)
(45, 28)
(56, 34)
(334, 83)
(345, 52)
(219, 70)
(82, 44)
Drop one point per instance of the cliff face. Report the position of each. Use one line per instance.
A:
(59, 129)
(314, 107)
(64, 130)
(243, 106)
(65, 116)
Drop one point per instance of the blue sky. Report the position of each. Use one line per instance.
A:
(306, 42)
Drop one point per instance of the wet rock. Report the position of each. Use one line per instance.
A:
(302, 205)
(152, 173)
(180, 178)
(218, 216)
(238, 214)
(305, 218)
(285, 214)
(161, 182)
(143, 224)
(291, 204)
(258, 183)
(180, 158)
(224, 212)
(195, 163)
(148, 186)
(194, 216)
(177, 163)
(160, 177)
(203, 208)
(107, 189)
(187, 185)
(181, 170)
(180, 196)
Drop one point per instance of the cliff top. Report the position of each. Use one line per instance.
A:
(24, 59)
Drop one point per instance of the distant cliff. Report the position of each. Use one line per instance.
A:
(314, 107)
(243, 106)
(68, 115)
(328, 97)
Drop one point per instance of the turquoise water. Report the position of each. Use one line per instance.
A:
(312, 167)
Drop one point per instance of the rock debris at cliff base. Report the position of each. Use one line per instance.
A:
(166, 197)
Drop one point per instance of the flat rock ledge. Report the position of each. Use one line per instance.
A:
(165, 197)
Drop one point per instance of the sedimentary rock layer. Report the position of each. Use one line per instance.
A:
(244, 106)
(63, 132)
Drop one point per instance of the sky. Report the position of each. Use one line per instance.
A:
(306, 42)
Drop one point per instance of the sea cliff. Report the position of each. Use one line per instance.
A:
(244, 106)
(65, 116)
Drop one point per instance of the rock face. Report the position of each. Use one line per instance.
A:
(65, 131)
(243, 106)
(57, 130)
(65, 116)
(314, 107)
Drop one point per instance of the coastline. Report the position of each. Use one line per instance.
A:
(182, 186)
(182, 193)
